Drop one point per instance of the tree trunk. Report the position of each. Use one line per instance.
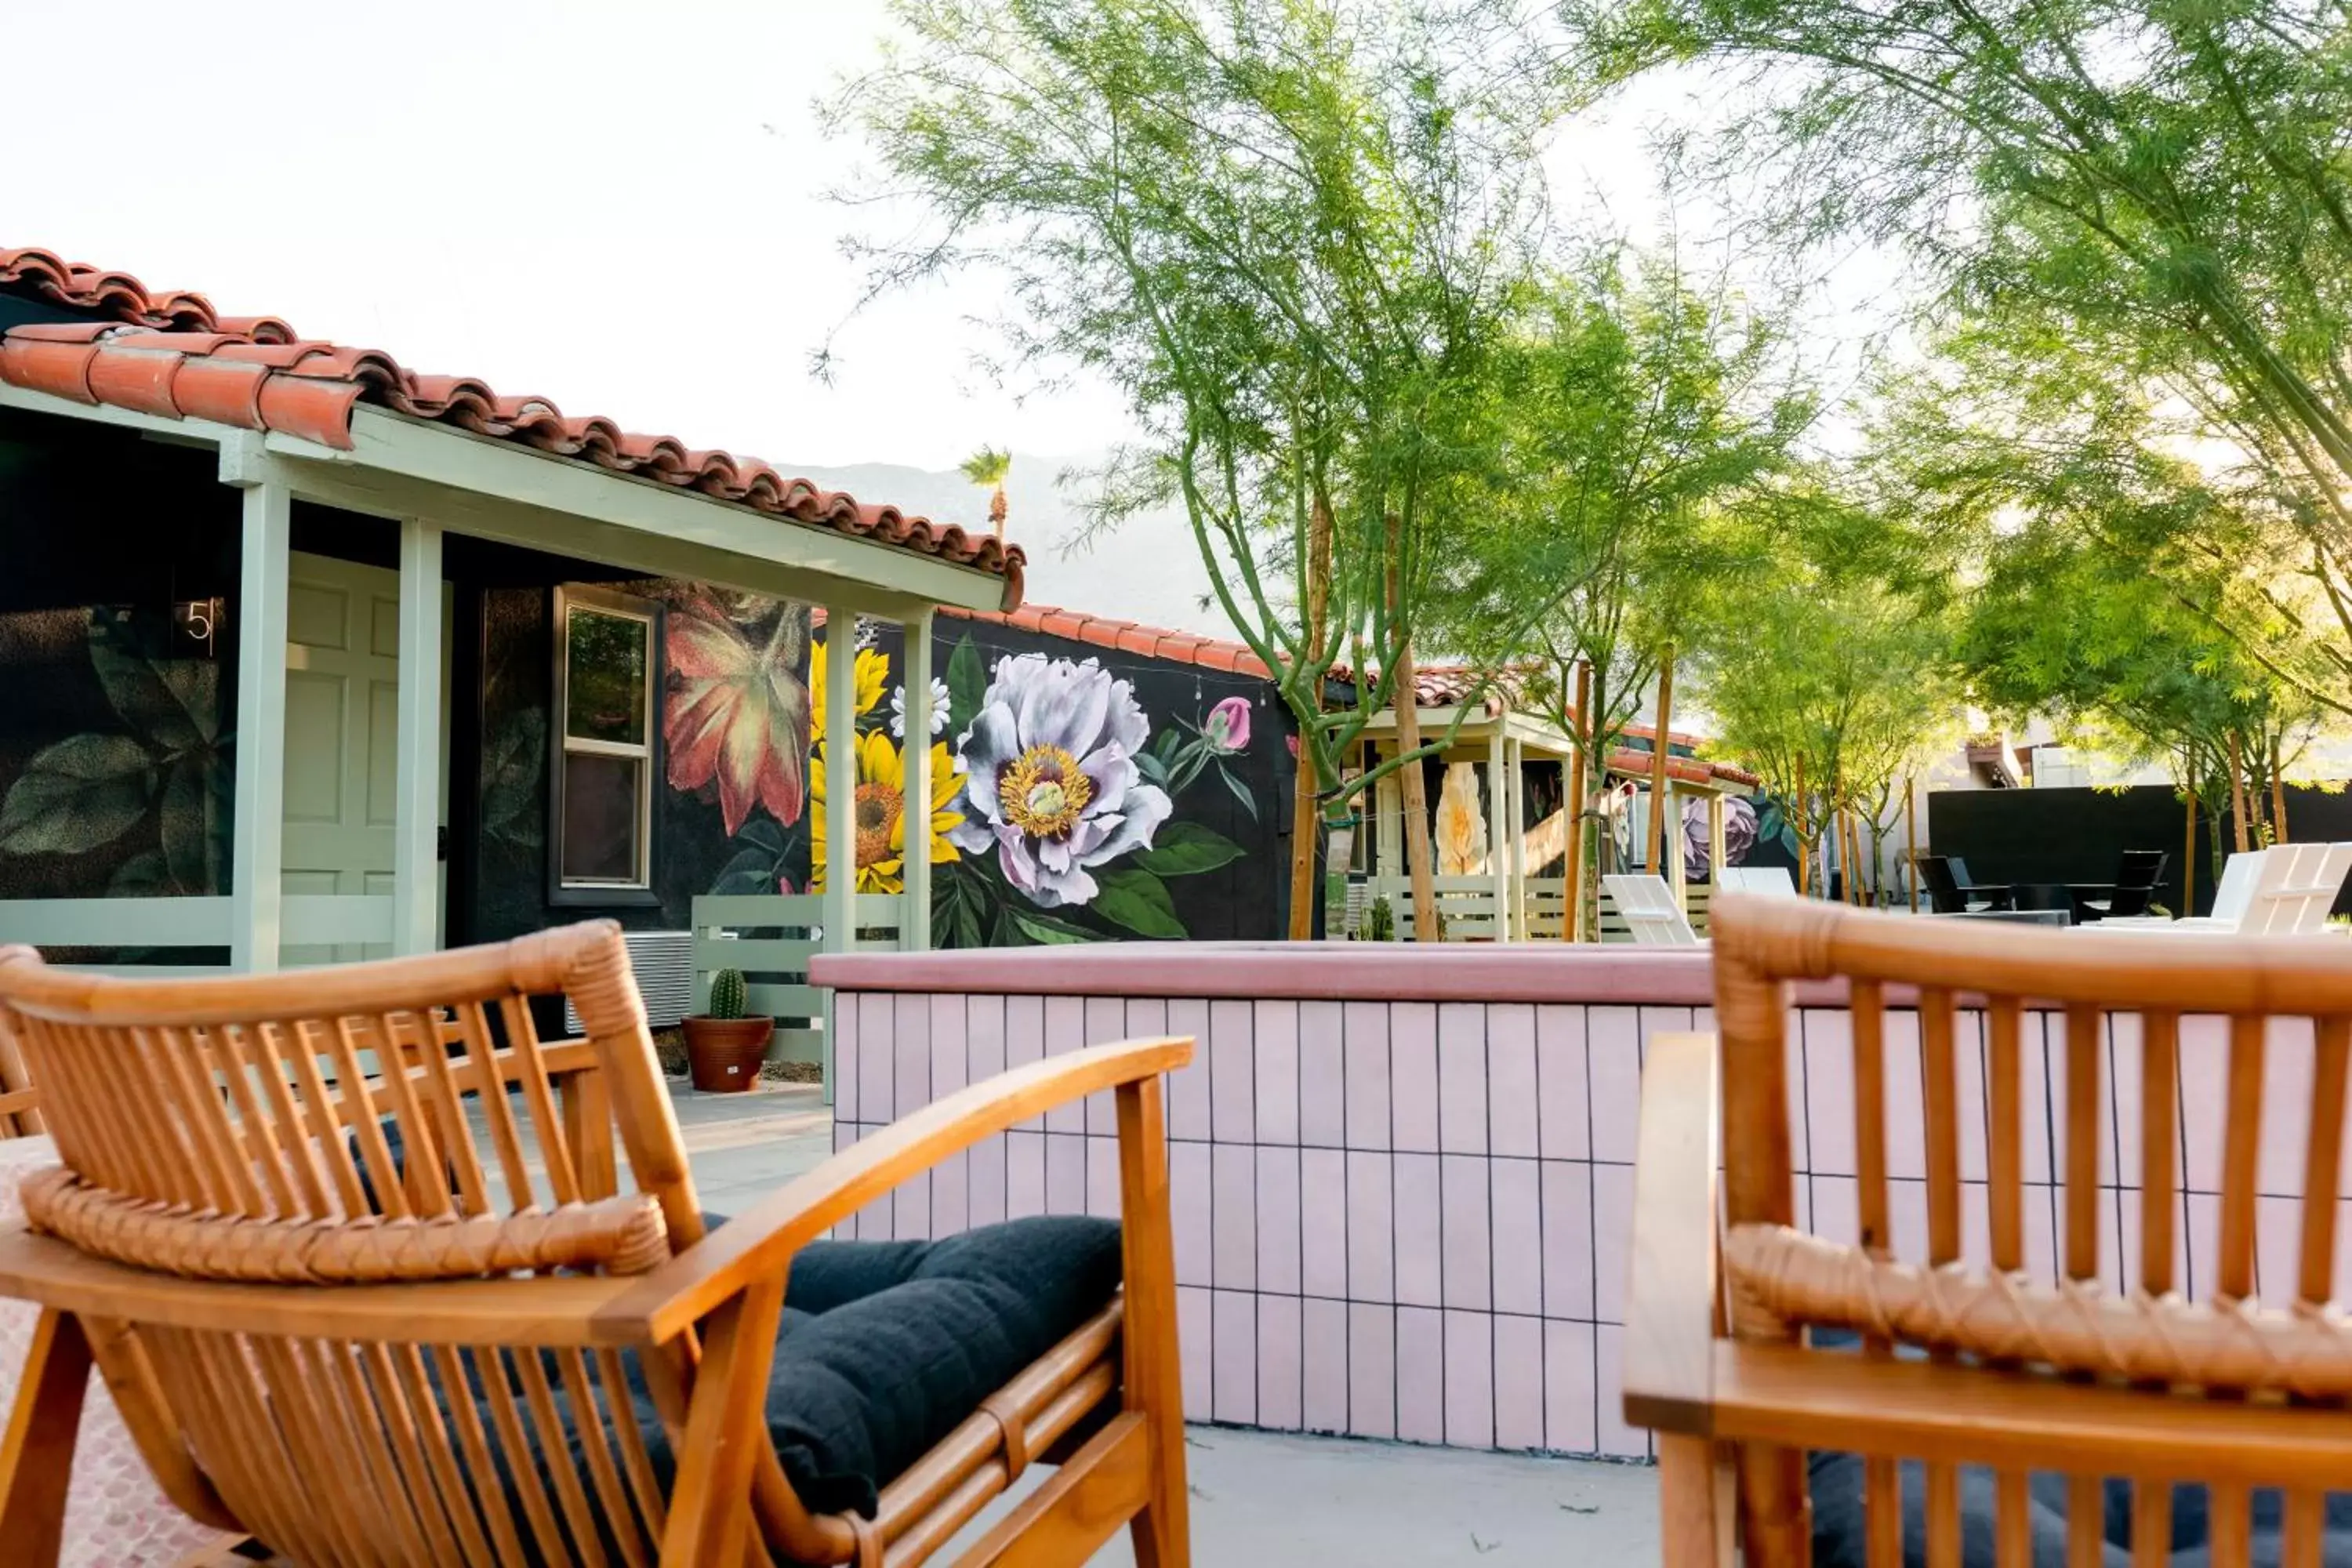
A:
(2189, 860)
(1405, 697)
(2278, 794)
(1305, 818)
(1911, 836)
(997, 508)
(2238, 789)
(1804, 852)
(1306, 823)
(1658, 763)
(1579, 787)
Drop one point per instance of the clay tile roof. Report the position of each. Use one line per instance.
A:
(1128, 636)
(172, 356)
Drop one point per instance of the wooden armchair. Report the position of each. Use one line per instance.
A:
(2009, 1402)
(330, 1348)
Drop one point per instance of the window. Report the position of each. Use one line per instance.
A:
(604, 763)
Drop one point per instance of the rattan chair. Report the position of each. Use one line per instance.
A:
(1984, 1377)
(292, 1360)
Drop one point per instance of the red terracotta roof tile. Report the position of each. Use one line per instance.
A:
(169, 355)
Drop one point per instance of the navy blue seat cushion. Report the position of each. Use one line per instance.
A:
(1836, 1483)
(1838, 1539)
(887, 1346)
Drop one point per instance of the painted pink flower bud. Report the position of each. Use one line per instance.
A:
(1227, 727)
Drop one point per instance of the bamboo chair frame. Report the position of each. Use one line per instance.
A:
(2081, 1378)
(318, 1418)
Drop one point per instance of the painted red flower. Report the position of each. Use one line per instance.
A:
(736, 714)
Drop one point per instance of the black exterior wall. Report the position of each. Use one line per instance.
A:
(2078, 835)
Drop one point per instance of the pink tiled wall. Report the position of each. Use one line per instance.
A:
(1409, 1219)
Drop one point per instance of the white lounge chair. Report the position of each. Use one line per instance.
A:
(2284, 890)
(1759, 882)
(1650, 910)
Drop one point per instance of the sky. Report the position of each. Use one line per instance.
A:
(623, 208)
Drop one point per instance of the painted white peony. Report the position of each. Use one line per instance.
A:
(1050, 778)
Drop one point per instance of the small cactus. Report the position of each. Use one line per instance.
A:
(1380, 921)
(728, 993)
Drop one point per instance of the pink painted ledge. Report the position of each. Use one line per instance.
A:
(1315, 971)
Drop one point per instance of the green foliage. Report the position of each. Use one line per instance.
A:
(2136, 218)
(988, 467)
(1380, 921)
(1638, 414)
(1291, 235)
(1821, 664)
(728, 994)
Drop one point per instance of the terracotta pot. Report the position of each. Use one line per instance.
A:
(724, 1054)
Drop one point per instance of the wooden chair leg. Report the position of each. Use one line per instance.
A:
(710, 1506)
(36, 1456)
(1695, 1503)
(1162, 1533)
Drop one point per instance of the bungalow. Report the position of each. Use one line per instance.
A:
(315, 657)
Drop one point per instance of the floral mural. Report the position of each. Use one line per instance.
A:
(1062, 810)
(1072, 797)
(738, 713)
(1051, 782)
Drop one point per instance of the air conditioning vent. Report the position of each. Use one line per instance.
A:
(663, 962)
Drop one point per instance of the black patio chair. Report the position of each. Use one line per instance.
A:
(1952, 891)
(2138, 876)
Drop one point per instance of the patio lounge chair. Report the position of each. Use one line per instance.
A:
(320, 1342)
(1951, 891)
(2137, 875)
(2054, 1421)
(1762, 881)
(1651, 911)
(2284, 890)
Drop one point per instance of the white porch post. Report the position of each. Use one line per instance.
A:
(915, 807)
(1499, 827)
(416, 877)
(837, 906)
(1518, 795)
(256, 874)
(840, 905)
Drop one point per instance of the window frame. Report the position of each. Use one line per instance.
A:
(563, 746)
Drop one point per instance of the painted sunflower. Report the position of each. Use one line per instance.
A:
(879, 801)
(872, 672)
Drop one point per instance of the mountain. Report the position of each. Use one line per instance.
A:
(1150, 570)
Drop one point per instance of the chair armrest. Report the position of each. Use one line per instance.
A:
(760, 1243)
(1670, 1304)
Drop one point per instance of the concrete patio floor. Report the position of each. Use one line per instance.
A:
(1259, 1498)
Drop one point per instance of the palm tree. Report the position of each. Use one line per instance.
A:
(988, 467)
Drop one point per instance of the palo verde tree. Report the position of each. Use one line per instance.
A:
(2155, 607)
(2058, 625)
(1827, 667)
(1290, 232)
(2159, 191)
(1638, 412)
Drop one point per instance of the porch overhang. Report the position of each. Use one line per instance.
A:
(403, 467)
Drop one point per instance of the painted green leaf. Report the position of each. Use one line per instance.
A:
(1241, 792)
(1187, 849)
(194, 824)
(751, 870)
(1048, 932)
(76, 795)
(172, 702)
(967, 687)
(1138, 900)
(142, 877)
